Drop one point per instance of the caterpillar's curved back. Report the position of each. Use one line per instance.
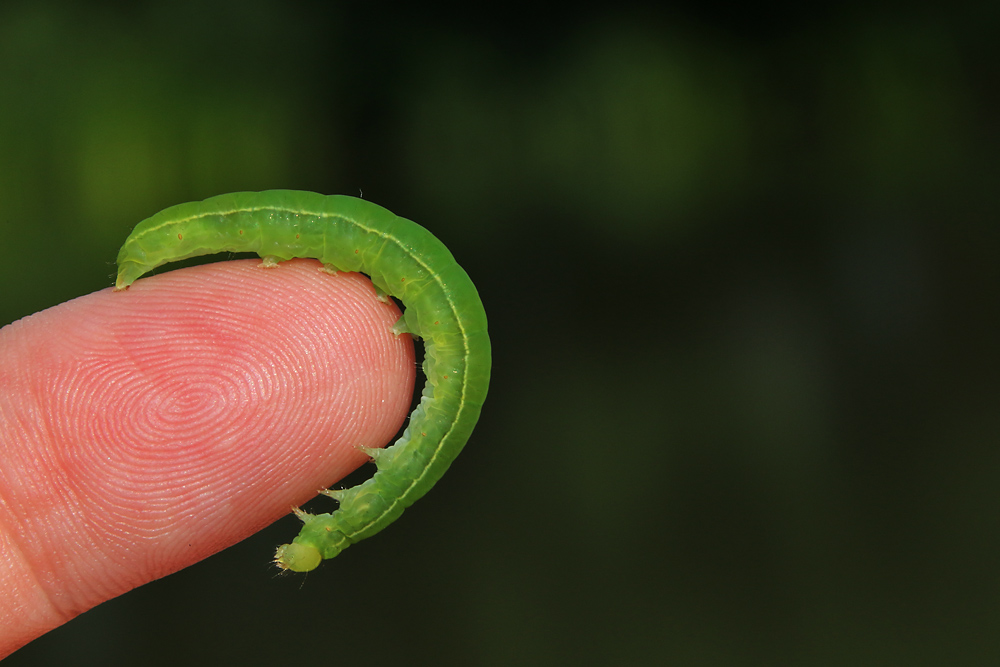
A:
(404, 260)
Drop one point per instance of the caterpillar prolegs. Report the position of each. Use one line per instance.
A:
(403, 260)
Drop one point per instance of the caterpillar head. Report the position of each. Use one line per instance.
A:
(297, 557)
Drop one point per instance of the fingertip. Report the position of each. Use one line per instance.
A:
(185, 414)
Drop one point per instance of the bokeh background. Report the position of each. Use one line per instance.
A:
(741, 267)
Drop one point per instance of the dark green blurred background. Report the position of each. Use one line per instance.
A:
(740, 264)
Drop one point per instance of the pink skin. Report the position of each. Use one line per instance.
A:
(142, 431)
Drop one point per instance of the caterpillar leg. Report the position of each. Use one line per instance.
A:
(336, 494)
(372, 452)
(331, 269)
(400, 328)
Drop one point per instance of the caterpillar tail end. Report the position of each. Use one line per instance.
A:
(127, 275)
(297, 557)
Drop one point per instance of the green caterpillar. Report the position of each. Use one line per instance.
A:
(402, 259)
